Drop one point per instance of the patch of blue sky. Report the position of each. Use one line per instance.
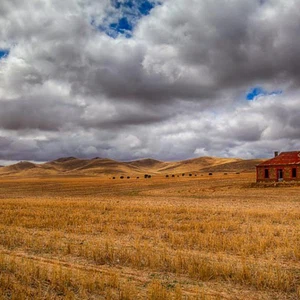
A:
(123, 26)
(127, 15)
(259, 91)
(145, 7)
(118, 4)
(4, 53)
(142, 6)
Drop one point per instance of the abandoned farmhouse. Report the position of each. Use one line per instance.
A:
(285, 166)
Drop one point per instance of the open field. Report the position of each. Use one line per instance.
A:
(204, 237)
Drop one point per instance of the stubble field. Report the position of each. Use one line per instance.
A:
(204, 237)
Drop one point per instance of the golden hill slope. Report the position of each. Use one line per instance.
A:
(17, 168)
(66, 164)
(106, 167)
(195, 164)
(148, 164)
(235, 166)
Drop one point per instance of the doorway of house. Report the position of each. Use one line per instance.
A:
(279, 175)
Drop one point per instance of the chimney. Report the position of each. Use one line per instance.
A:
(275, 153)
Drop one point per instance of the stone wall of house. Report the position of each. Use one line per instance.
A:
(287, 173)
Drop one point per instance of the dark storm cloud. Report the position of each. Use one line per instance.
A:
(175, 89)
(16, 148)
(47, 113)
(37, 113)
(239, 42)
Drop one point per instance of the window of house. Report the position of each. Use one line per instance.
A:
(266, 173)
(294, 172)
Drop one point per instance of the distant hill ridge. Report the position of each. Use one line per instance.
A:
(104, 166)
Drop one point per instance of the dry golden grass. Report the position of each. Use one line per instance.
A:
(204, 237)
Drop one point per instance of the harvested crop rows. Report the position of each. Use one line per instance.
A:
(204, 237)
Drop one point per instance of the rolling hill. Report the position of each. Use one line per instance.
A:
(235, 166)
(19, 167)
(195, 165)
(72, 166)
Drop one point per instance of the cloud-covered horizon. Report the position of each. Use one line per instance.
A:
(127, 79)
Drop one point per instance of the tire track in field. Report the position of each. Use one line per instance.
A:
(135, 276)
(141, 278)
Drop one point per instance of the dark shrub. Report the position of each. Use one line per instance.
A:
(210, 174)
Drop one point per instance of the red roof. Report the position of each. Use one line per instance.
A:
(284, 158)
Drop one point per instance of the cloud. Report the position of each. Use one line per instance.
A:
(129, 79)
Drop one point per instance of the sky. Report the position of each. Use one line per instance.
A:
(130, 79)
